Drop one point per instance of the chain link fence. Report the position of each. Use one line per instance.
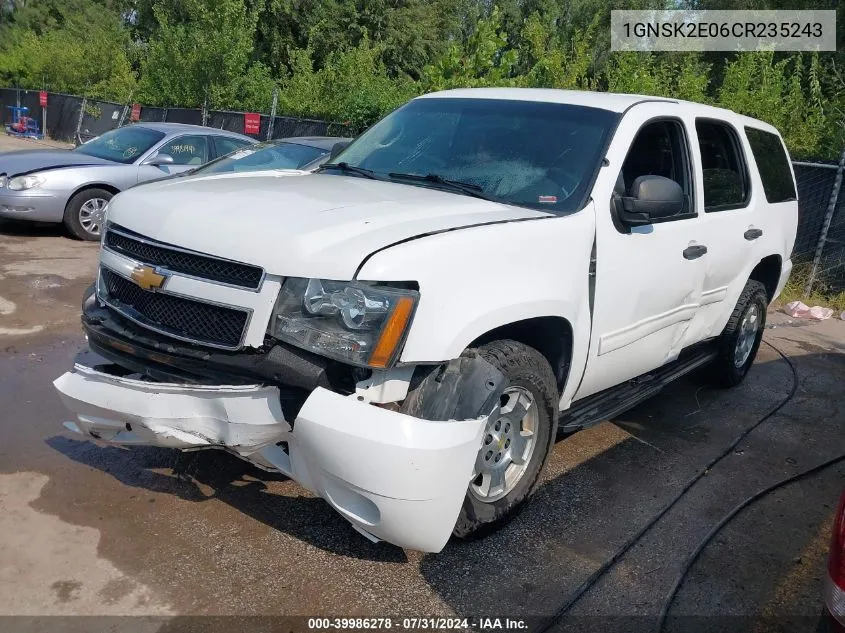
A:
(820, 243)
(77, 119)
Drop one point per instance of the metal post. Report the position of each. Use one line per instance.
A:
(122, 115)
(18, 97)
(828, 217)
(273, 112)
(125, 111)
(164, 116)
(205, 109)
(78, 138)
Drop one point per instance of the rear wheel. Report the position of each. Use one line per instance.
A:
(741, 337)
(517, 439)
(85, 213)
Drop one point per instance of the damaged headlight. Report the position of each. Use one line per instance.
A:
(354, 322)
(19, 183)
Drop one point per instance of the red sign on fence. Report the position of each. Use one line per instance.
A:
(42, 98)
(252, 122)
(135, 114)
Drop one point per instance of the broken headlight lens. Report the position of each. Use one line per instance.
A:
(358, 323)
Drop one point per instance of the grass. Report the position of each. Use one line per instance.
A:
(820, 296)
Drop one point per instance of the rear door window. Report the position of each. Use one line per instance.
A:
(724, 172)
(227, 144)
(187, 150)
(773, 165)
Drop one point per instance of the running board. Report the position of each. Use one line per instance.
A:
(611, 402)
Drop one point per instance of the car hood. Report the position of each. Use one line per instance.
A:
(29, 160)
(317, 225)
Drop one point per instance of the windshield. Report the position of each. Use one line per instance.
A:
(269, 155)
(533, 154)
(123, 145)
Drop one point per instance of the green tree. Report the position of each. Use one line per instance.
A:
(781, 92)
(63, 47)
(352, 87)
(203, 48)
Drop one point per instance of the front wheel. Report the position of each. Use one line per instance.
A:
(85, 213)
(517, 439)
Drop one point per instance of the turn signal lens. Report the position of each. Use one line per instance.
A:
(392, 333)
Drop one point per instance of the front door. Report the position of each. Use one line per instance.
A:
(188, 152)
(649, 279)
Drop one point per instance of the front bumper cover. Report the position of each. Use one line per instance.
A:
(37, 204)
(395, 477)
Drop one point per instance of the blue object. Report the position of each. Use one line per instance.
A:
(23, 125)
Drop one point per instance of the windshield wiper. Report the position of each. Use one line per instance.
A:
(352, 169)
(467, 188)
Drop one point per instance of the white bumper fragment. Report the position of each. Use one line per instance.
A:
(125, 411)
(394, 477)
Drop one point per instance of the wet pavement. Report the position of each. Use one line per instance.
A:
(86, 529)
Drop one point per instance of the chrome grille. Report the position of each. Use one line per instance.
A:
(182, 318)
(178, 260)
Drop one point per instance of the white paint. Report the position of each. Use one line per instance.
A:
(386, 385)
(243, 417)
(317, 226)
(49, 567)
(396, 477)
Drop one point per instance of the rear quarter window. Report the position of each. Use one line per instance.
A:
(772, 164)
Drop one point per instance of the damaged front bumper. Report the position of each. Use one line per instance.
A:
(395, 477)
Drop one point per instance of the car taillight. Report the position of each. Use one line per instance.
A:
(835, 583)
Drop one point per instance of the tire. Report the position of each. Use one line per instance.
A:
(81, 217)
(731, 365)
(527, 372)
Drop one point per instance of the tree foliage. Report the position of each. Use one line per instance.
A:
(355, 60)
(202, 49)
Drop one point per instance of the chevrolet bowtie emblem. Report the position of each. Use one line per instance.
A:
(148, 278)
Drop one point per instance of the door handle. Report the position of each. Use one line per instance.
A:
(695, 251)
(752, 234)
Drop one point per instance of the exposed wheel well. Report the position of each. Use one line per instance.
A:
(551, 336)
(114, 190)
(767, 272)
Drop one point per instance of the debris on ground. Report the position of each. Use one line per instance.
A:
(800, 310)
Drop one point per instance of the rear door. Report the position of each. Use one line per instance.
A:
(649, 279)
(734, 219)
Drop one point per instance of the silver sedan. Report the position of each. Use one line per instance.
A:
(74, 186)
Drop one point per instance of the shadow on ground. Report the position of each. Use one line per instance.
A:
(13, 228)
(202, 476)
(599, 488)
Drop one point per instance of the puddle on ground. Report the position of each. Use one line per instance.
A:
(49, 567)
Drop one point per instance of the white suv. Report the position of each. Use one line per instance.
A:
(406, 332)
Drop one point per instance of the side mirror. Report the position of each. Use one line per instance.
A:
(652, 198)
(159, 159)
(337, 148)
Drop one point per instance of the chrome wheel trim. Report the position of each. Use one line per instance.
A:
(748, 329)
(507, 446)
(91, 215)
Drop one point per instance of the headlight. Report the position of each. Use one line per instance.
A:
(19, 183)
(354, 322)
